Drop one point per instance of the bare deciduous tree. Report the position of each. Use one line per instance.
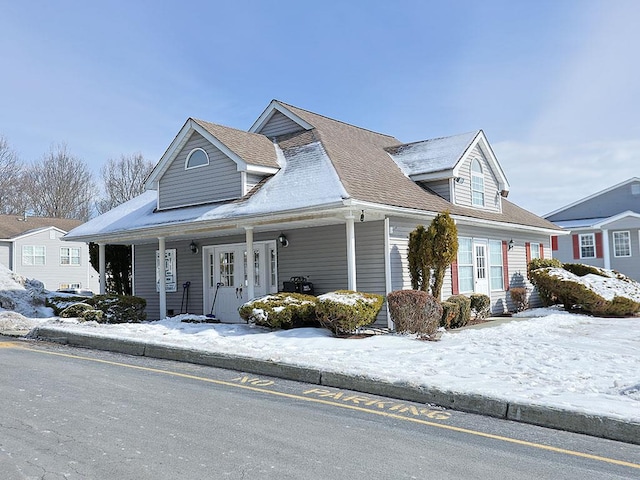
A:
(60, 185)
(123, 180)
(12, 200)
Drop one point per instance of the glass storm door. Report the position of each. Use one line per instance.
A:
(481, 270)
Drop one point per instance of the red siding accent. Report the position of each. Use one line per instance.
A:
(554, 242)
(541, 251)
(455, 288)
(599, 245)
(505, 264)
(527, 250)
(576, 247)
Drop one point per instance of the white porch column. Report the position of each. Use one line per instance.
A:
(102, 267)
(162, 279)
(606, 252)
(351, 253)
(251, 290)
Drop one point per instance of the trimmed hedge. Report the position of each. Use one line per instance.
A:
(60, 302)
(480, 305)
(343, 311)
(575, 295)
(519, 297)
(280, 310)
(119, 308)
(547, 298)
(450, 310)
(464, 313)
(414, 311)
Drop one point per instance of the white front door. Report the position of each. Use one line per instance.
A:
(481, 268)
(226, 277)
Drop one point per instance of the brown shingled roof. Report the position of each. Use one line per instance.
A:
(253, 148)
(369, 174)
(15, 225)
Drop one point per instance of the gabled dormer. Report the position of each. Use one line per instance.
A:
(462, 169)
(278, 120)
(209, 163)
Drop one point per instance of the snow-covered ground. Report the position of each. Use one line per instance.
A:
(543, 356)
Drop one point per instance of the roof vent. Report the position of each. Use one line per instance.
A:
(635, 189)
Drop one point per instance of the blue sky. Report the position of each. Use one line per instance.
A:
(555, 85)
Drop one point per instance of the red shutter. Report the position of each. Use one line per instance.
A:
(554, 242)
(527, 249)
(455, 288)
(505, 264)
(599, 245)
(576, 247)
(541, 251)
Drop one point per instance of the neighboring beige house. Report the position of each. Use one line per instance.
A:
(33, 247)
(310, 196)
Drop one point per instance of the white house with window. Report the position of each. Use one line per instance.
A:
(604, 227)
(33, 247)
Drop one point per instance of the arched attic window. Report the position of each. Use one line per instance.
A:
(477, 184)
(196, 158)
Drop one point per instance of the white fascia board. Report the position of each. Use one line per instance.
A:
(615, 218)
(483, 143)
(274, 107)
(262, 169)
(591, 197)
(439, 175)
(168, 156)
(35, 231)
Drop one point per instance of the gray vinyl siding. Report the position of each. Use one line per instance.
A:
(217, 181)
(440, 187)
(604, 205)
(53, 274)
(5, 254)
(516, 261)
(462, 191)
(318, 253)
(252, 181)
(279, 124)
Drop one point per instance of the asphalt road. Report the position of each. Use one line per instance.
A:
(80, 414)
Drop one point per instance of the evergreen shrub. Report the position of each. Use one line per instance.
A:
(480, 305)
(450, 310)
(281, 310)
(344, 311)
(414, 311)
(464, 313)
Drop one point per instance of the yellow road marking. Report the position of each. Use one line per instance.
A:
(9, 344)
(349, 407)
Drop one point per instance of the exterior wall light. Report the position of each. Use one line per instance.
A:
(511, 244)
(362, 216)
(193, 247)
(283, 240)
(459, 180)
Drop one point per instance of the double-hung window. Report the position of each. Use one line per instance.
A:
(622, 244)
(33, 255)
(587, 245)
(534, 249)
(69, 256)
(495, 262)
(465, 265)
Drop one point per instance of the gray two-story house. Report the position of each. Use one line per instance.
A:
(299, 194)
(604, 227)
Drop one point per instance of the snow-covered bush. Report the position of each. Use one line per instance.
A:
(546, 297)
(343, 311)
(414, 311)
(280, 310)
(120, 308)
(93, 316)
(591, 290)
(75, 310)
(480, 305)
(60, 302)
(464, 313)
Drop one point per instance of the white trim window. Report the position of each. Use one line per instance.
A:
(534, 250)
(69, 256)
(196, 158)
(465, 264)
(496, 267)
(622, 244)
(587, 245)
(33, 255)
(477, 184)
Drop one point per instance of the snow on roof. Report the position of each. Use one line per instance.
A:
(431, 155)
(288, 189)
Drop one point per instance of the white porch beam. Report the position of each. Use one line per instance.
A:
(351, 253)
(162, 278)
(102, 267)
(605, 249)
(251, 290)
